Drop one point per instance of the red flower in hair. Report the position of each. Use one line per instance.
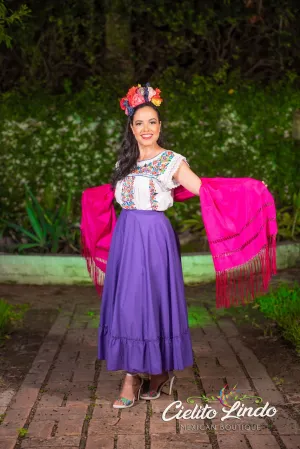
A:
(122, 105)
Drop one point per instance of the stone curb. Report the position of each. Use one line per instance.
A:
(71, 270)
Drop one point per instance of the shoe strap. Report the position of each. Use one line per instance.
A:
(124, 401)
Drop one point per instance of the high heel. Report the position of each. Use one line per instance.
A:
(126, 403)
(155, 394)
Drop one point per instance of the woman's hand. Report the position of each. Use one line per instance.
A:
(187, 178)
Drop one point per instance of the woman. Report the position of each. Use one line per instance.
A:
(144, 321)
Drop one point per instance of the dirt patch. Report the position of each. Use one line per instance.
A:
(19, 350)
(49, 296)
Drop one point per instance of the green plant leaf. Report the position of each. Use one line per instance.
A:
(23, 231)
(27, 246)
(35, 224)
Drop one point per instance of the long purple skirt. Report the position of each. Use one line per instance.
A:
(143, 320)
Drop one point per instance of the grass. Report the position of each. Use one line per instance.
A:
(9, 316)
(22, 432)
(283, 306)
(280, 306)
(198, 317)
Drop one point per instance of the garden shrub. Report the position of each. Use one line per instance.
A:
(283, 306)
(67, 143)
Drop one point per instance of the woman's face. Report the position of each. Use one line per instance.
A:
(146, 126)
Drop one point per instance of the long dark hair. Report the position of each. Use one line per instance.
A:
(129, 151)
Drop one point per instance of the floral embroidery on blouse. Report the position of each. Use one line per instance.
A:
(155, 168)
(153, 201)
(127, 193)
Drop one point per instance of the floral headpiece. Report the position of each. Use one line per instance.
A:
(138, 95)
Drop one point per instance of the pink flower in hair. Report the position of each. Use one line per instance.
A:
(151, 92)
(137, 99)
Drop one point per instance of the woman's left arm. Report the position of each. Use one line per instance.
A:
(187, 178)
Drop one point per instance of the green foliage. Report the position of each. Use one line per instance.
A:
(47, 229)
(65, 43)
(198, 317)
(289, 219)
(22, 432)
(9, 316)
(61, 145)
(283, 306)
(8, 18)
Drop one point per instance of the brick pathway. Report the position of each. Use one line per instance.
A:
(65, 400)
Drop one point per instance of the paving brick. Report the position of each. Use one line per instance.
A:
(158, 425)
(67, 426)
(242, 382)
(36, 378)
(159, 405)
(202, 349)
(9, 431)
(107, 391)
(186, 373)
(263, 442)
(103, 426)
(52, 398)
(232, 441)
(268, 391)
(40, 429)
(105, 375)
(15, 415)
(291, 441)
(68, 354)
(220, 347)
(88, 355)
(131, 441)
(84, 375)
(6, 396)
(100, 442)
(25, 396)
(80, 393)
(8, 443)
(60, 376)
(106, 410)
(185, 388)
(284, 423)
(212, 332)
(228, 327)
(197, 335)
(54, 442)
(208, 367)
(131, 422)
(55, 413)
(212, 385)
(167, 441)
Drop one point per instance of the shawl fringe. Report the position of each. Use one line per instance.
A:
(96, 274)
(242, 284)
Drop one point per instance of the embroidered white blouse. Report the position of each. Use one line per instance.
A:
(150, 184)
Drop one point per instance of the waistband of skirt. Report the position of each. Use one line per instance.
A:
(142, 211)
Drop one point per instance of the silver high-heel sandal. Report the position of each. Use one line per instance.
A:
(126, 403)
(155, 394)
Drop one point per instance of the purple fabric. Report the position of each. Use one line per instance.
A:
(143, 319)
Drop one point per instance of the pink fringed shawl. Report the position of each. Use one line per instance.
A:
(239, 216)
